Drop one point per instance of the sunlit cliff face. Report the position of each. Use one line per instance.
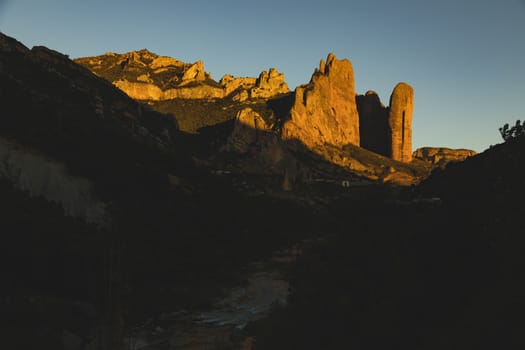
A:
(144, 75)
(400, 122)
(325, 111)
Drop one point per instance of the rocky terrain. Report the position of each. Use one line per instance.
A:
(145, 204)
(441, 156)
(324, 118)
(144, 75)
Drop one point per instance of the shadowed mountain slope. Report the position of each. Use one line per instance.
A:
(59, 108)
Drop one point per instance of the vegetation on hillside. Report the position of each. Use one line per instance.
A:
(511, 133)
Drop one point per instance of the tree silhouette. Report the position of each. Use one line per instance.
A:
(511, 133)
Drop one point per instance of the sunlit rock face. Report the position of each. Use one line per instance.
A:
(144, 75)
(269, 84)
(324, 111)
(441, 155)
(400, 122)
(195, 72)
(145, 91)
(231, 83)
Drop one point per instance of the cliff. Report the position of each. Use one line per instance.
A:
(324, 111)
(400, 122)
(144, 75)
(441, 156)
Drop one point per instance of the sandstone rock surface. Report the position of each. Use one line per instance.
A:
(195, 72)
(231, 83)
(164, 61)
(441, 155)
(248, 128)
(269, 83)
(144, 75)
(324, 111)
(400, 122)
(147, 91)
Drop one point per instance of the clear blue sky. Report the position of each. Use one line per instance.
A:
(464, 58)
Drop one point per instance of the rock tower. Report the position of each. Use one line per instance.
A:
(324, 111)
(400, 122)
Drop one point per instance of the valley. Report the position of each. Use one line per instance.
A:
(145, 205)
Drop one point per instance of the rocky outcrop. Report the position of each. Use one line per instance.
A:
(144, 75)
(164, 62)
(324, 111)
(41, 176)
(195, 72)
(146, 91)
(441, 156)
(270, 83)
(253, 135)
(249, 128)
(400, 122)
(373, 123)
(231, 83)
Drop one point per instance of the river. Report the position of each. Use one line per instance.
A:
(220, 326)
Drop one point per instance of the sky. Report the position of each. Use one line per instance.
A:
(465, 59)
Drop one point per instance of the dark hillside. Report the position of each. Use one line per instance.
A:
(418, 273)
(60, 108)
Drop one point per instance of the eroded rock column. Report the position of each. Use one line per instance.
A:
(400, 122)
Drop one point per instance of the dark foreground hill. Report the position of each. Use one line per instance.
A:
(439, 269)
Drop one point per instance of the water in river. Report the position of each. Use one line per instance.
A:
(217, 327)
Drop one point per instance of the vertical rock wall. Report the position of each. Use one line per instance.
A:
(400, 122)
(324, 112)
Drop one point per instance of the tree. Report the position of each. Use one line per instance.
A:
(511, 133)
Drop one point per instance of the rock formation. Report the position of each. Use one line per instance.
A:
(195, 72)
(269, 83)
(40, 176)
(163, 62)
(441, 156)
(324, 111)
(253, 135)
(144, 75)
(373, 123)
(323, 116)
(147, 91)
(400, 122)
(248, 128)
(231, 83)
